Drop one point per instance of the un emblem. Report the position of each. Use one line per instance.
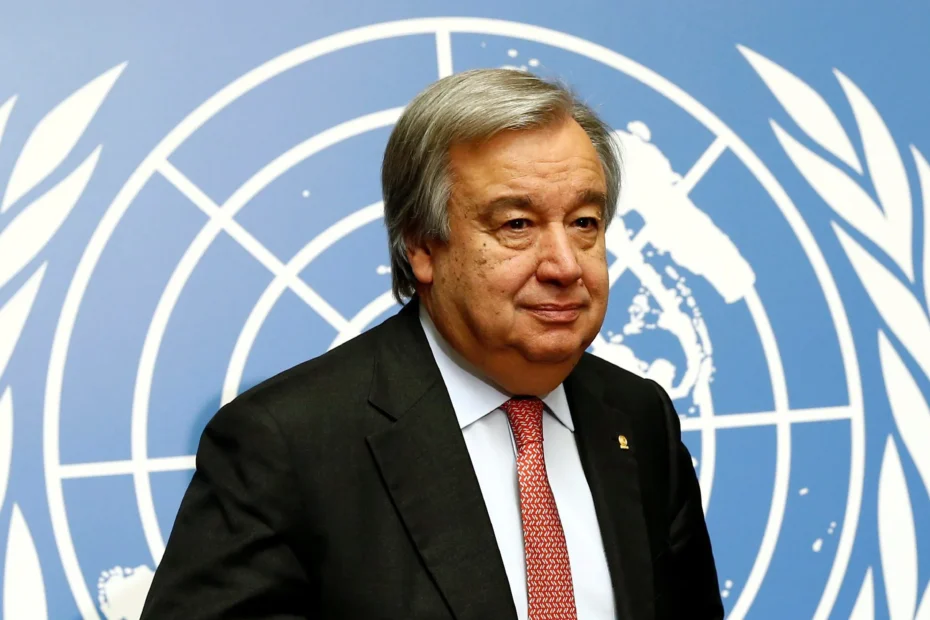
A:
(251, 239)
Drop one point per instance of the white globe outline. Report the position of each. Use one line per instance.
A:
(442, 27)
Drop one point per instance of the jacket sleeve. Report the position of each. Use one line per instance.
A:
(689, 563)
(231, 551)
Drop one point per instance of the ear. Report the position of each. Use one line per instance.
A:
(421, 261)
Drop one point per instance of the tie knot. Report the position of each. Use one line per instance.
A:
(525, 415)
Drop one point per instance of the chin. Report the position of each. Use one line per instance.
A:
(553, 353)
(552, 357)
(556, 345)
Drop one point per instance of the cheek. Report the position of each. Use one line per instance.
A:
(507, 276)
(491, 272)
(596, 277)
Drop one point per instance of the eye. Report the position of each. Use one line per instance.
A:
(518, 224)
(587, 222)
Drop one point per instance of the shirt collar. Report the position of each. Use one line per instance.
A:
(473, 396)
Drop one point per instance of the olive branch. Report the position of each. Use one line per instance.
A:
(873, 231)
(22, 239)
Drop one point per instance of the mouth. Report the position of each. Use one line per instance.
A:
(556, 313)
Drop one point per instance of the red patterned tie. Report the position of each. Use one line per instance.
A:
(548, 572)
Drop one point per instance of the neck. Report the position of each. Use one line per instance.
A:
(517, 376)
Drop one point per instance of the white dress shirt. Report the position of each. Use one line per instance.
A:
(493, 455)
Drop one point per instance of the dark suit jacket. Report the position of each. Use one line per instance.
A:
(342, 488)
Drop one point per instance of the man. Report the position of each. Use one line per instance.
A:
(467, 458)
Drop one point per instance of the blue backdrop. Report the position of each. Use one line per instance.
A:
(190, 203)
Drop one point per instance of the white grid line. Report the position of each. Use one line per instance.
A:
(444, 52)
(735, 420)
(252, 245)
(701, 166)
(767, 418)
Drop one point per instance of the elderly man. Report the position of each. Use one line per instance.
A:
(467, 458)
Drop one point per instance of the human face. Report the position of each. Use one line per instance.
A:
(522, 281)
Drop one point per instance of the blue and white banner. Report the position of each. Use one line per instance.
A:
(191, 203)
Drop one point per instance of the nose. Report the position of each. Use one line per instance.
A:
(558, 263)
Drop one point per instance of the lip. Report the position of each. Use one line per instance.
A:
(556, 313)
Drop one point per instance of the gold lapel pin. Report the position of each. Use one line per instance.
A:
(624, 444)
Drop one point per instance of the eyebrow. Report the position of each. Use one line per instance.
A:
(584, 197)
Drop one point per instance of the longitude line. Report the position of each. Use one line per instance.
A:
(444, 52)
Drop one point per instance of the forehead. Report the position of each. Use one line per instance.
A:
(553, 158)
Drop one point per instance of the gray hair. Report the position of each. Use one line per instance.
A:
(466, 107)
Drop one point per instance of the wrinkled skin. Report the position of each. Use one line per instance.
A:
(520, 288)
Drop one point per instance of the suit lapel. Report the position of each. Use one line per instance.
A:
(613, 478)
(427, 470)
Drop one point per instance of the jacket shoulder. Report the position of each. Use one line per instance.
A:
(341, 377)
(613, 377)
(643, 400)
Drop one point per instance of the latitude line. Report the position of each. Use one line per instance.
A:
(701, 166)
(251, 245)
(127, 467)
(734, 420)
(768, 418)
(444, 52)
